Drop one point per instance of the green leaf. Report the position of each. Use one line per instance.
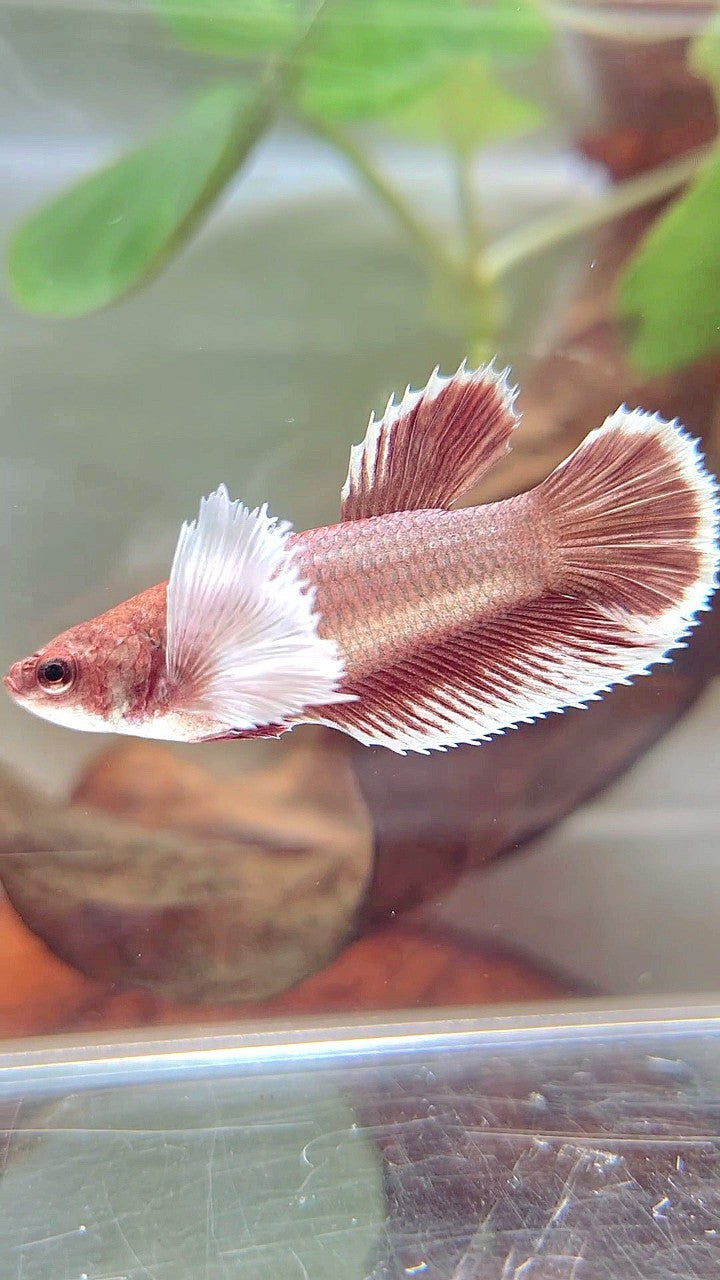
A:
(108, 233)
(670, 291)
(365, 57)
(369, 57)
(240, 28)
(704, 56)
(467, 110)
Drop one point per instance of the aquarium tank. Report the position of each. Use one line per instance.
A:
(294, 1005)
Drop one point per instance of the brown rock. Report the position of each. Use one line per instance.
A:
(306, 798)
(392, 968)
(228, 911)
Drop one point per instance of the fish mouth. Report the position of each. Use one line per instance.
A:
(11, 685)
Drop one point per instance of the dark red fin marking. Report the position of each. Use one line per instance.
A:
(433, 446)
(635, 514)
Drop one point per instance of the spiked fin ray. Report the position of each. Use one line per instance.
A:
(433, 446)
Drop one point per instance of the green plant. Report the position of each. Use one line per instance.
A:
(669, 294)
(429, 69)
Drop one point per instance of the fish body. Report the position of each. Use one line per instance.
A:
(397, 582)
(410, 624)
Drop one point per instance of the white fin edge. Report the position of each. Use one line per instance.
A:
(243, 648)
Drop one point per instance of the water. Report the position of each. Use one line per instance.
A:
(255, 358)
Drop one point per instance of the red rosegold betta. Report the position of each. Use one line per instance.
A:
(409, 624)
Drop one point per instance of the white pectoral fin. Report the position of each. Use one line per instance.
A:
(243, 647)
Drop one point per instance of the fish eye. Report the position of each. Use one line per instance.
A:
(56, 675)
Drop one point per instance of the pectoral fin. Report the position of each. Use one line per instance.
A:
(243, 648)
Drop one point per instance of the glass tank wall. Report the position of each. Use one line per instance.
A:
(230, 231)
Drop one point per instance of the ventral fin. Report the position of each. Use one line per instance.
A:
(243, 648)
(433, 446)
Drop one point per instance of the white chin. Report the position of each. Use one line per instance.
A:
(70, 717)
(171, 727)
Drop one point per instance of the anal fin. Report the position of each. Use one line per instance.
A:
(552, 653)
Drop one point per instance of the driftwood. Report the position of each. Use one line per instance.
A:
(435, 816)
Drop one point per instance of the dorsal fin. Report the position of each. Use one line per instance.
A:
(433, 446)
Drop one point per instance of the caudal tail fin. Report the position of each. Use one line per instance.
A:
(636, 515)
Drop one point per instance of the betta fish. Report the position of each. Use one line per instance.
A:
(412, 624)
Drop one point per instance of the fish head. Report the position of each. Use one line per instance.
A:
(230, 646)
(101, 676)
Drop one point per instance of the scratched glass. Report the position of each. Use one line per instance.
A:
(561, 1145)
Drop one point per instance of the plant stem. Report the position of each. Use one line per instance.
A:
(254, 119)
(476, 293)
(555, 228)
(467, 204)
(425, 242)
